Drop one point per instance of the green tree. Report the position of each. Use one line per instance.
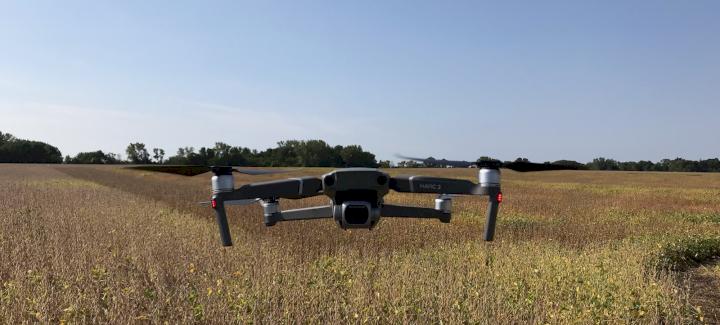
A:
(26, 151)
(316, 153)
(603, 164)
(645, 165)
(137, 154)
(93, 157)
(572, 163)
(5, 138)
(159, 155)
(385, 164)
(354, 156)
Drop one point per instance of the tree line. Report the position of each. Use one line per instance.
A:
(290, 153)
(14, 150)
(664, 165)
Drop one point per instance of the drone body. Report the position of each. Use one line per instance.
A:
(356, 194)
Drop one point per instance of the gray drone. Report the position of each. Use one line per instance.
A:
(356, 194)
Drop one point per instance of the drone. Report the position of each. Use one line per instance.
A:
(356, 194)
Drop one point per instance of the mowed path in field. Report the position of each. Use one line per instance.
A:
(97, 244)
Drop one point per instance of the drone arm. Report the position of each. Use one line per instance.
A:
(299, 214)
(400, 211)
(424, 184)
(292, 188)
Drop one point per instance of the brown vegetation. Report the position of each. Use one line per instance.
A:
(104, 244)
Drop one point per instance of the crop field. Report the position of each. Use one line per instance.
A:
(97, 244)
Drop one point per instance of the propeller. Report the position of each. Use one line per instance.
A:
(518, 166)
(444, 162)
(192, 170)
(232, 202)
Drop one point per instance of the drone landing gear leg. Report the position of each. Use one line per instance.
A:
(492, 212)
(219, 207)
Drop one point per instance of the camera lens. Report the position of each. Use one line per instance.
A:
(357, 214)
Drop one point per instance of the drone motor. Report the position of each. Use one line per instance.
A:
(222, 180)
(444, 203)
(489, 177)
(271, 210)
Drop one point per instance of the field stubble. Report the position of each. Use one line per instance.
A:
(99, 244)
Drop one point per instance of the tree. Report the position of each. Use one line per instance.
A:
(645, 165)
(137, 154)
(486, 158)
(354, 156)
(181, 158)
(603, 164)
(572, 163)
(285, 154)
(114, 157)
(26, 151)
(238, 156)
(5, 138)
(158, 154)
(317, 153)
(385, 164)
(222, 151)
(14, 150)
(93, 157)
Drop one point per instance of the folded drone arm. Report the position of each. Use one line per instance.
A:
(424, 184)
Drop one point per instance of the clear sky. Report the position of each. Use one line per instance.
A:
(544, 80)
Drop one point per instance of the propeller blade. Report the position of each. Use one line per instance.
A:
(185, 170)
(193, 170)
(519, 166)
(522, 166)
(232, 202)
(262, 171)
(444, 162)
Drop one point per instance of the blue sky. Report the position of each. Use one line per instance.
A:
(544, 80)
